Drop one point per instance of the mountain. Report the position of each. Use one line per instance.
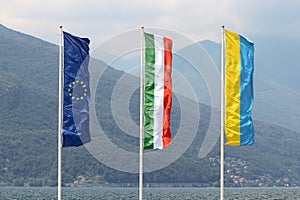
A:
(275, 59)
(198, 66)
(28, 145)
(278, 60)
(38, 58)
(275, 77)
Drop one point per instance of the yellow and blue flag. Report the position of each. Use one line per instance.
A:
(75, 130)
(239, 90)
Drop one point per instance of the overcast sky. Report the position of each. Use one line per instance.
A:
(197, 19)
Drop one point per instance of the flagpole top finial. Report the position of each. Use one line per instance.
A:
(142, 27)
(223, 26)
(60, 26)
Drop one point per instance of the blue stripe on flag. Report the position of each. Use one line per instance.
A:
(246, 89)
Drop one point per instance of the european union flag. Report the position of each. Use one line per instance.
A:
(75, 128)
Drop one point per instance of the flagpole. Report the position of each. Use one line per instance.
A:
(60, 113)
(222, 122)
(141, 116)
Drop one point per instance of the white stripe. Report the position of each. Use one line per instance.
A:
(158, 93)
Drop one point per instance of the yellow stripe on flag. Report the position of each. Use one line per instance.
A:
(232, 86)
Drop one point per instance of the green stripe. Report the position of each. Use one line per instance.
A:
(149, 91)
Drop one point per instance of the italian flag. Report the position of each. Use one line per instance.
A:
(157, 92)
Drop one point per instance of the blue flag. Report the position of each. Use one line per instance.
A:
(75, 130)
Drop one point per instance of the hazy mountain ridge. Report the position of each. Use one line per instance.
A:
(275, 77)
(271, 96)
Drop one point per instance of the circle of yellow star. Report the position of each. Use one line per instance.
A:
(82, 85)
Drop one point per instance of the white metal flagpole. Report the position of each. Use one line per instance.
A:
(222, 122)
(141, 116)
(60, 113)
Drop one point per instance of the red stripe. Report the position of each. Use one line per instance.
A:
(167, 92)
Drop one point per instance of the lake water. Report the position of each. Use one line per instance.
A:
(44, 193)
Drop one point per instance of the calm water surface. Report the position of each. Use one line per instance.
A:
(44, 193)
